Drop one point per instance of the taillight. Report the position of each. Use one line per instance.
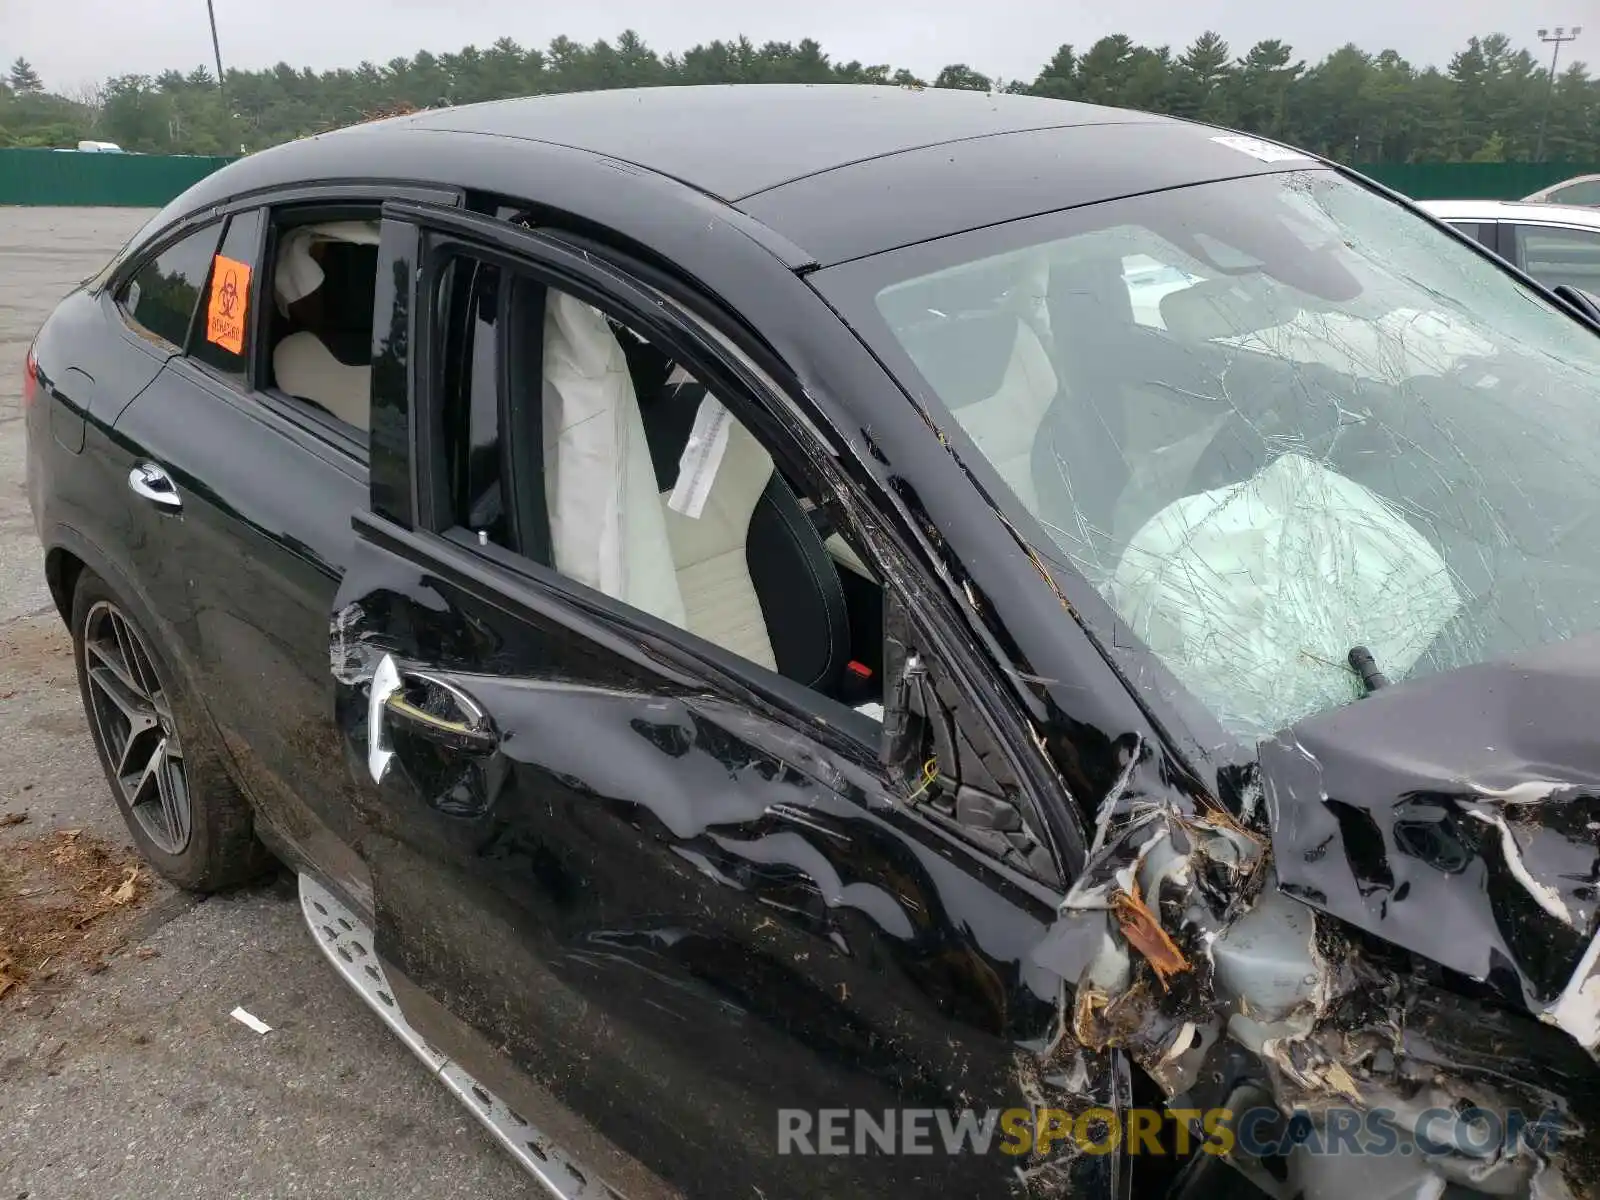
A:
(30, 380)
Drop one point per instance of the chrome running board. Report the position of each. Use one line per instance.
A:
(347, 943)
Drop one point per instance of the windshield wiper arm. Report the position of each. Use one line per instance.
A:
(1364, 665)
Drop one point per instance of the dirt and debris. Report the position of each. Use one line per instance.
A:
(1143, 930)
(12, 818)
(66, 902)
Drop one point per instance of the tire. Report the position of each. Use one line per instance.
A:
(184, 813)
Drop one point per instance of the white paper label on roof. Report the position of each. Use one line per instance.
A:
(1256, 148)
(697, 466)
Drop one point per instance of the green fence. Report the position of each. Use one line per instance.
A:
(119, 180)
(150, 180)
(1472, 181)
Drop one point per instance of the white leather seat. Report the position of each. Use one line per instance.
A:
(710, 552)
(611, 527)
(304, 367)
(1005, 425)
(302, 364)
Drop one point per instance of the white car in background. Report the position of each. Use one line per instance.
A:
(1555, 243)
(1580, 189)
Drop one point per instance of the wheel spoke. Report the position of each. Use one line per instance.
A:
(172, 803)
(130, 702)
(133, 723)
(111, 659)
(138, 749)
(140, 792)
(133, 655)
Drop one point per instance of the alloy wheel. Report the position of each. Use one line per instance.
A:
(133, 723)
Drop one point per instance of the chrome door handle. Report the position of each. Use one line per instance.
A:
(150, 482)
(469, 732)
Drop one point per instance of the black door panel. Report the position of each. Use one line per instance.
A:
(678, 914)
(90, 369)
(250, 563)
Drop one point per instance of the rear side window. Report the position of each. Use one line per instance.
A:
(222, 338)
(1554, 256)
(1473, 229)
(161, 298)
(1584, 192)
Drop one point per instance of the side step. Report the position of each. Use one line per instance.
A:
(347, 942)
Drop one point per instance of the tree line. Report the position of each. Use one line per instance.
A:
(1490, 104)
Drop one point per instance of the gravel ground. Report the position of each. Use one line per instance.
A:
(134, 1082)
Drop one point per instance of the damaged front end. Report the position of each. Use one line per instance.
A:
(1379, 955)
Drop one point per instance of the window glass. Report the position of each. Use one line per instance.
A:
(472, 402)
(222, 339)
(1585, 192)
(1555, 256)
(1148, 281)
(1352, 432)
(642, 484)
(161, 298)
(317, 315)
(1473, 229)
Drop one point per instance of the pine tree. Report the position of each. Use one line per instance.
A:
(24, 80)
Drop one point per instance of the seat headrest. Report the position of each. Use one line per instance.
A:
(297, 274)
(965, 359)
(1219, 308)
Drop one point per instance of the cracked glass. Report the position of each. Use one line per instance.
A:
(1272, 420)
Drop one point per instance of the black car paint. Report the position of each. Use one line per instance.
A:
(706, 136)
(1388, 814)
(1072, 167)
(280, 528)
(931, 983)
(255, 629)
(659, 893)
(603, 836)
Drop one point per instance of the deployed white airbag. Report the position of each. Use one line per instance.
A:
(607, 528)
(298, 274)
(1254, 594)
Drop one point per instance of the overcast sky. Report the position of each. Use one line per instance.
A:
(74, 41)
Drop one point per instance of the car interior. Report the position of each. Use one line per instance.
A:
(739, 555)
(320, 325)
(1196, 453)
(1039, 379)
(658, 496)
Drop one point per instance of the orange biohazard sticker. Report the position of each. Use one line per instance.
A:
(230, 298)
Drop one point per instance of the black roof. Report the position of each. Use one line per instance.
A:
(732, 141)
(819, 174)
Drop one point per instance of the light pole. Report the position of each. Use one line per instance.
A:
(1554, 37)
(222, 88)
(216, 49)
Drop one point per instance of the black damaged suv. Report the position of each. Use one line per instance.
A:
(859, 641)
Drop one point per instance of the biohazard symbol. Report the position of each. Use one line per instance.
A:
(228, 304)
(230, 294)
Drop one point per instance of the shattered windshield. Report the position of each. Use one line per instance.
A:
(1273, 420)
